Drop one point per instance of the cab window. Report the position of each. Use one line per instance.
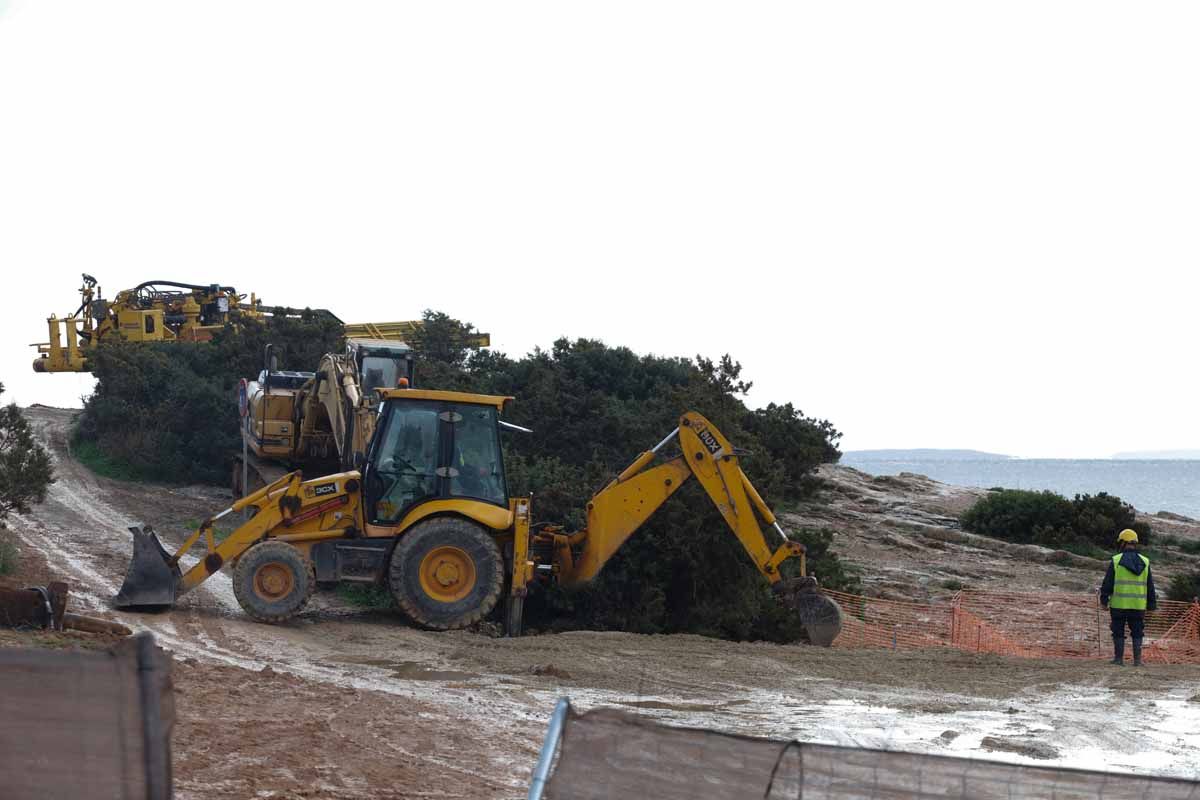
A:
(405, 461)
(378, 373)
(476, 467)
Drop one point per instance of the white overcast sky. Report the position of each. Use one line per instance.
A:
(937, 224)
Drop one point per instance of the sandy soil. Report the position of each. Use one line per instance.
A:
(342, 702)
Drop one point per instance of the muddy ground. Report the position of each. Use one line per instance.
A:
(342, 702)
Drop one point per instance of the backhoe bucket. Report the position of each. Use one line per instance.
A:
(151, 580)
(821, 615)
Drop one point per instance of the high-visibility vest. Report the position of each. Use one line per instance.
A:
(1129, 590)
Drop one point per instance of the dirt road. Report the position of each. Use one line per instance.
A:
(345, 703)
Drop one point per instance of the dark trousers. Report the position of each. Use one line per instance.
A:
(1136, 620)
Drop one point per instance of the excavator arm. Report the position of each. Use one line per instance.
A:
(624, 505)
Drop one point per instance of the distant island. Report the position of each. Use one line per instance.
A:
(1154, 455)
(923, 454)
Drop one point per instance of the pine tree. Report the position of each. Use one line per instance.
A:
(25, 468)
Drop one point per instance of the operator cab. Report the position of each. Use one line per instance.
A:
(381, 364)
(432, 445)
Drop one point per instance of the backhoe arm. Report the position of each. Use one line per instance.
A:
(625, 504)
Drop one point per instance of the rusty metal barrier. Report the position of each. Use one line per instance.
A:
(1037, 625)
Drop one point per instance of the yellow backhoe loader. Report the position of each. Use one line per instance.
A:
(426, 512)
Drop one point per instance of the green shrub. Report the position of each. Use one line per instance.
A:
(26, 471)
(824, 563)
(1184, 587)
(1099, 518)
(1018, 515)
(167, 412)
(1087, 525)
(593, 409)
(109, 464)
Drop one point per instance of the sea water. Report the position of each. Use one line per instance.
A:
(1150, 485)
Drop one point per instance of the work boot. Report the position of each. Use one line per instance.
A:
(1137, 652)
(1118, 651)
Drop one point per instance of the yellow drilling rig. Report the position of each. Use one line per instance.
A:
(169, 311)
(154, 311)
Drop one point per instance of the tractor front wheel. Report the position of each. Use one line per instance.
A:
(273, 581)
(446, 573)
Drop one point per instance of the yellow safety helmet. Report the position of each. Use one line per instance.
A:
(1127, 535)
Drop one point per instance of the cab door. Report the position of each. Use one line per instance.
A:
(407, 454)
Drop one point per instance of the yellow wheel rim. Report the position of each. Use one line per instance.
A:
(273, 582)
(447, 574)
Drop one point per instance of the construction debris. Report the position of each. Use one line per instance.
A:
(45, 608)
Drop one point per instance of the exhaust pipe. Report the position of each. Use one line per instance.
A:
(153, 576)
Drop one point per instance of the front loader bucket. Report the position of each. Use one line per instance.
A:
(821, 615)
(151, 580)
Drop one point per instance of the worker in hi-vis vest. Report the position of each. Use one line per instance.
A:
(1128, 593)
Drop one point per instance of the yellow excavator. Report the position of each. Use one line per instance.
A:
(426, 513)
(315, 421)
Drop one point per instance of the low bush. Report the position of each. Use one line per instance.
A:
(1087, 525)
(1185, 587)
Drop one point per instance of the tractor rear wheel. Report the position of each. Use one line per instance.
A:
(273, 581)
(446, 573)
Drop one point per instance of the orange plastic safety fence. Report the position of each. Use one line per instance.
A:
(1046, 625)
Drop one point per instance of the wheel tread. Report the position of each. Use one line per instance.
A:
(251, 560)
(440, 528)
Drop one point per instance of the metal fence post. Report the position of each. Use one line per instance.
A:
(542, 771)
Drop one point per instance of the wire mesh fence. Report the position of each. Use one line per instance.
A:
(1043, 625)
